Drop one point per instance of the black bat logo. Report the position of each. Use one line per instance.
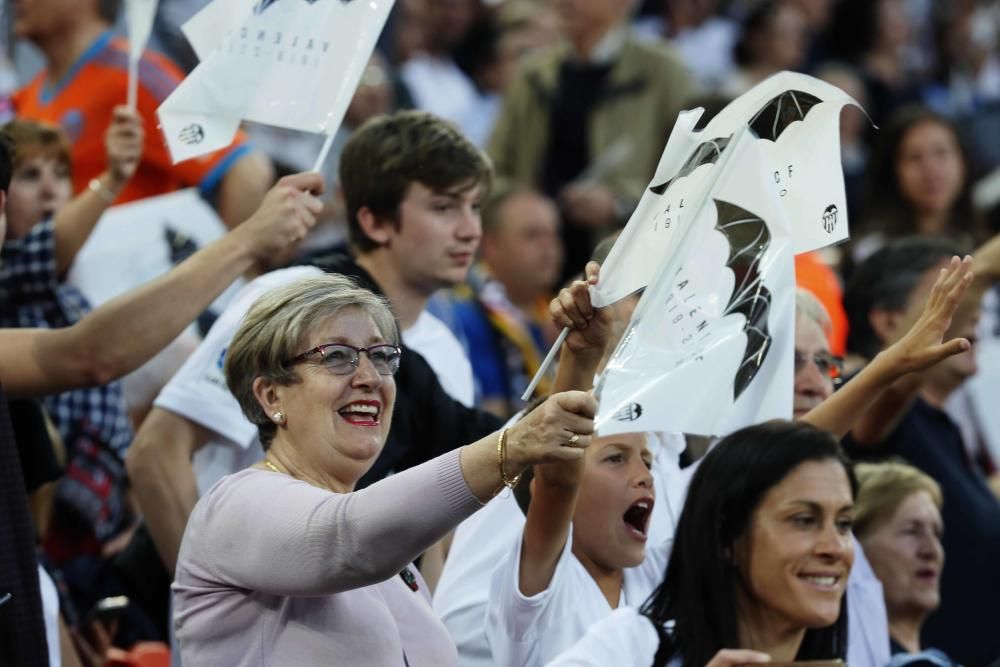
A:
(748, 239)
(780, 112)
(768, 123)
(707, 152)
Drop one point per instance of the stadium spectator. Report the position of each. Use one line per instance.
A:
(768, 582)
(585, 122)
(898, 520)
(918, 182)
(412, 185)
(502, 311)
(86, 77)
(315, 574)
(909, 421)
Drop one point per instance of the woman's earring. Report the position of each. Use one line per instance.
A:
(278, 417)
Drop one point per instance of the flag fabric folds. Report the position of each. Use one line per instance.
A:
(710, 345)
(796, 119)
(290, 63)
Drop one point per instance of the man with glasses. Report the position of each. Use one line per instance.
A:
(817, 370)
(911, 421)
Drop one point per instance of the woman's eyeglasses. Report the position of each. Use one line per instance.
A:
(343, 359)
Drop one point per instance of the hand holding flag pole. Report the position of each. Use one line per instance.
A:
(139, 15)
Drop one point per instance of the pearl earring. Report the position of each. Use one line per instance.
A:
(278, 417)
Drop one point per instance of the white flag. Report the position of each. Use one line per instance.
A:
(710, 346)
(289, 63)
(139, 17)
(802, 160)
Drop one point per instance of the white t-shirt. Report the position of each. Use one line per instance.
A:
(530, 631)
(437, 344)
(198, 390)
(623, 638)
(485, 538)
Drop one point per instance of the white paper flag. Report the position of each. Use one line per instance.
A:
(289, 63)
(802, 160)
(139, 16)
(710, 346)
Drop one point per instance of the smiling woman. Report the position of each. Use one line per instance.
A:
(283, 563)
(760, 561)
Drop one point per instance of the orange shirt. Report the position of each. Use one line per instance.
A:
(813, 274)
(82, 104)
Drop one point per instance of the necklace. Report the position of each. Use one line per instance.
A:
(271, 466)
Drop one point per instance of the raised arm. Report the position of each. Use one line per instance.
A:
(124, 333)
(329, 542)
(557, 485)
(74, 222)
(871, 405)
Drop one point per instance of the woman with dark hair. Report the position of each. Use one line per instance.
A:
(760, 562)
(918, 183)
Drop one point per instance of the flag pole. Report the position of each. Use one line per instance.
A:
(324, 152)
(546, 363)
(133, 82)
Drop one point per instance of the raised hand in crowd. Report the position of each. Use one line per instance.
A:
(590, 328)
(286, 215)
(290, 209)
(558, 430)
(123, 142)
(925, 343)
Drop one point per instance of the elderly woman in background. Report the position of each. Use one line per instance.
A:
(283, 563)
(898, 522)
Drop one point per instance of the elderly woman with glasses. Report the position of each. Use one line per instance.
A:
(284, 563)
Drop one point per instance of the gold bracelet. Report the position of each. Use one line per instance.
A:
(509, 482)
(102, 191)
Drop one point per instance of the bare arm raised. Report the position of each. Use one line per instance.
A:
(125, 332)
(871, 404)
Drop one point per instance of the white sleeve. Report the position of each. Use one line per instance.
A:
(624, 638)
(198, 390)
(515, 624)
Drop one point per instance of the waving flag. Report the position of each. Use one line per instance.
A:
(139, 16)
(710, 345)
(289, 63)
(797, 121)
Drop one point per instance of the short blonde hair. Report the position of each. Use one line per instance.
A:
(882, 489)
(277, 326)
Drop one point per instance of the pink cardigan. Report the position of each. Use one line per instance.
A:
(274, 571)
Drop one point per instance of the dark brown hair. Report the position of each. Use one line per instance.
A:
(388, 153)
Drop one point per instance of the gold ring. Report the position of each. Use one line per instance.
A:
(575, 439)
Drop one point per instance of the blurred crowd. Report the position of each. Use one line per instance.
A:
(556, 113)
